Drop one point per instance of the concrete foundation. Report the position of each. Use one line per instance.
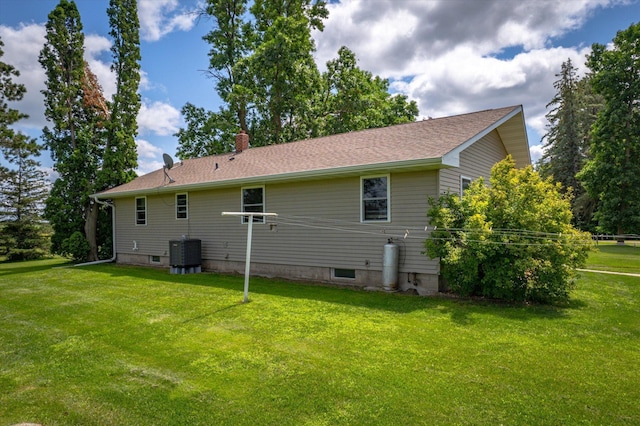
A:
(423, 284)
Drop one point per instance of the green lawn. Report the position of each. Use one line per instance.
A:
(114, 345)
(612, 257)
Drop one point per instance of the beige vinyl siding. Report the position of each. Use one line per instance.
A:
(475, 161)
(318, 224)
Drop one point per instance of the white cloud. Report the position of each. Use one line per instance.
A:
(146, 149)
(22, 46)
(536, 152)
(148, 166)
(159, 18)
(449, 56)
(158, 118)
(148, 157)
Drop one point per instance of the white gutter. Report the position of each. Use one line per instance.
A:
(113, 237)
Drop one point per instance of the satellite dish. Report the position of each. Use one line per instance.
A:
(168, 161)
(168, 164)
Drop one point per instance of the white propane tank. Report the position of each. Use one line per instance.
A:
(390, 258)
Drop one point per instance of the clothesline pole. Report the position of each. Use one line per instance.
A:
(247, 262)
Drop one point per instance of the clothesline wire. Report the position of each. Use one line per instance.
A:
(424, 233)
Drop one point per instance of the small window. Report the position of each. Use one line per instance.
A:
(141, 211)
(375, 199)
(253, 201)
(154, 259)
(349, 274)
(464, 183)
(182, 206)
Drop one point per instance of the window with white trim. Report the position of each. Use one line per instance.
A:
(182, 206)
(141, 210)
(375, 199)
(253, 201)
(464, 184)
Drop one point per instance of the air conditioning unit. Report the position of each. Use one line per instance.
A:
(185, 253)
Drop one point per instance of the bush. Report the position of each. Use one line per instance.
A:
(76, 246)
(513, 240)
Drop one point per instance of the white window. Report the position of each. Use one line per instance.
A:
(464, 184)
(182, 206)
(375, 199)
(253, 201)
(141, 210)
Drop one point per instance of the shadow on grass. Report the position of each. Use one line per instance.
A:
(461, 310)
(466, 311)
(29, 266)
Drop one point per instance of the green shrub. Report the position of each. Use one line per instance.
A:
(76, 246)
(512, 240)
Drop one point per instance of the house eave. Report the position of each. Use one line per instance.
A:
(518, 148)
(397, 166)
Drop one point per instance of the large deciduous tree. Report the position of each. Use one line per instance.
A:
(74, 139)
(120, 156)
(511, 240)
(612, 175)
(91, 140)
(353, 99)
(118, 117)
(262, 61)
(285, 76)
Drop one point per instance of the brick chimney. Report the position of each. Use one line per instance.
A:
(242, 141)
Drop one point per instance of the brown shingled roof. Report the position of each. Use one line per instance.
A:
(421, 143)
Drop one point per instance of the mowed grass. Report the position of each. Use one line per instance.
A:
(609, 256)
(115, 345)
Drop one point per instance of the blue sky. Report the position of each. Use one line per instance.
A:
(451, 56)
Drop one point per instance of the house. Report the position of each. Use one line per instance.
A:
(340, 199)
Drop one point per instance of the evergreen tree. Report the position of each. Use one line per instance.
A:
(566, 142)
(23, 188)
(22, 194)
(612, 175)
(9, 92)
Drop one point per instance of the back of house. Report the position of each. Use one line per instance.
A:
(343, 202)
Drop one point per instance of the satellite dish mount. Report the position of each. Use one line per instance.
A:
(168, 164)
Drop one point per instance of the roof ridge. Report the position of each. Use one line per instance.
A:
(353, 132)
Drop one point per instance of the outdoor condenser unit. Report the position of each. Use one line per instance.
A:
(185, 253)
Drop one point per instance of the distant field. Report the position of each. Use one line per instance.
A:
(609, 256)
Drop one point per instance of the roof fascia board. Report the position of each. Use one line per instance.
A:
(424, 164)
(452, 158)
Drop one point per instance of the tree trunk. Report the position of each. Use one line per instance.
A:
(620, 238)
(91, 230)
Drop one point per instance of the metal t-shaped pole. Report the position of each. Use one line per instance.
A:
(247, 264)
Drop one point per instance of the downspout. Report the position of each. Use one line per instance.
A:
(113, 237)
